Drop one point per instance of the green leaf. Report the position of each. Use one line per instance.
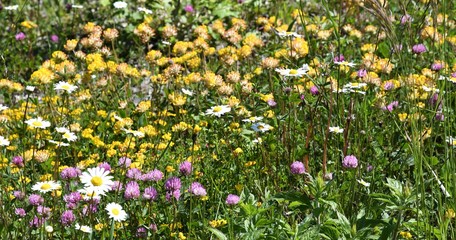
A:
(217, 233)
(383, 50)
(105, 3)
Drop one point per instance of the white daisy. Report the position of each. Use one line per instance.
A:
(90, 194)
(13, 7)
(69, 88)
(218, 110)
(430, 89)
(77, 6)
(59, 144)
(286, 34)
(83, 228)
(252, 119)
(38, 123)
(69, 136)
(46, 186)
(4, 141)
(293, 72)
(97, 179)
(134, 132)
(261, 127)
(355, 85)
(116, 212)
(336, 129)
(364, 183)
(3, 107)
(145, 10)
(120, 4)
(187, 92)
(30, 88)
(345, 63)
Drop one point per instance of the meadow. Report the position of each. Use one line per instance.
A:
(231, 119)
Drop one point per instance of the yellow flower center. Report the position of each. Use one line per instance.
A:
(45, 186)
(66, 87)
(293, 71)
(217, 109)
(260, 126)
(66, 135)
(97, 181)
(37, 124)
(115, 211)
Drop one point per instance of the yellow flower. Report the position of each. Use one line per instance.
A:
(28, 24)
(170, 168)
(402, 116)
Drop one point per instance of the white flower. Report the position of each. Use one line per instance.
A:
(336, 129)
(252, 119)
(218, 110)
(430, 89)
(62, 129)
(286, 34)
(355, 85)
(13, 7)
(30, 88)
(364, 183)
(145, 10)
(257, 140)
(83, 228)
(69, 88)
(451, 141)
(69, 136)
(3, 107)
(166, 43)
(120, 4)
(90, 193)
(38, 123)
(77, 6)
(134, 132)
(345, 63)
(49, 229)
(96, 179)
(116, 212)
(187, 92)
(293, 72)
(46, 186)
(59, 144)
(4, 141)
(261, 127)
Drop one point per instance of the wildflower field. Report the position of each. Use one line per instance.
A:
(230, 119)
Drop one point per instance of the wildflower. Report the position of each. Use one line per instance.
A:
(293, 72)
(187, 92)
(37, 222)
(154, 175)
(286, 34)
(419, 48)
(105, 166)
(20, 212)
(345, 63)
(19, 195)
(70, 172)
(30, 88)
(138, 134)
(49, 229)
(67, 218)
(54, 38)
(297, 167)
(69, 88)
(46, 186)
(132, 190)
(185, 168)
(59, 144)
(336, 129)
(314, 90)
(218, 110)
(350, 161)
(361, 73)
(4, 141)
(252, 119)
(145, 10)
(38, 123)
(197, 189)
(172, 184)
(232, 199)
(150, 193)
(97, 179)
(11, 8)
(124, 161)
(20, 36)
(436, 66)
(35, 199)
(405, 19)
(116, 212)
(134, 173)
(120, 4)
(364, 183)
(141, 232)
(189, 9)
(83, 228)
(261, 127)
